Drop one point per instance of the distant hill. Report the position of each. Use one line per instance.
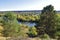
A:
(26, 11)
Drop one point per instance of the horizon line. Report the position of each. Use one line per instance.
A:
(23, 10)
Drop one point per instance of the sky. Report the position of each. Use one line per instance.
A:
(11, 5)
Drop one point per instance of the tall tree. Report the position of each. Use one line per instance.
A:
(47, 22)
(58, 27)
(10, 25)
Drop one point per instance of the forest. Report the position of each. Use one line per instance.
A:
(25, 25)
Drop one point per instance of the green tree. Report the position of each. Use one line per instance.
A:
(47, 22)
(10, 25)
(32, 32)
(58, 27)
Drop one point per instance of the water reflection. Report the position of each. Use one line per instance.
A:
(28, 23)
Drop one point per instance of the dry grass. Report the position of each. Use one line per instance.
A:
(2, 38)
(9, 38)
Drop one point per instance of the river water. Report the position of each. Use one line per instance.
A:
(28, 23)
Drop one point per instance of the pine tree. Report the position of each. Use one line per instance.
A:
(47, 22)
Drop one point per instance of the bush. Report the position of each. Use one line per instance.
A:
(45, 36)
(32, 32)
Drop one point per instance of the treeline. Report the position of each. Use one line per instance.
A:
(28, 18)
